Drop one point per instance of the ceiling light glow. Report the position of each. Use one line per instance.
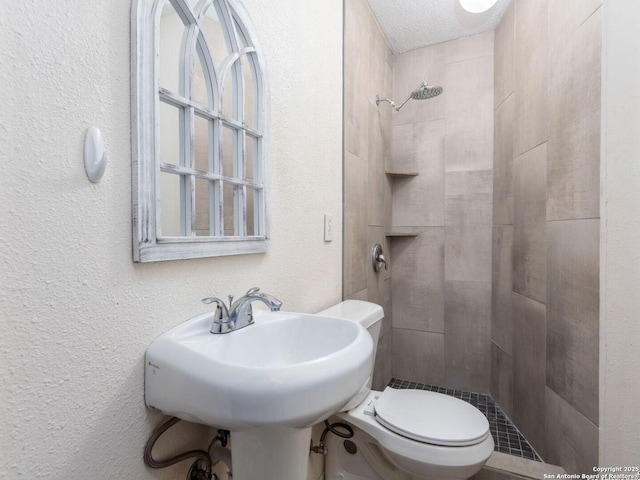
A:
(477, 6)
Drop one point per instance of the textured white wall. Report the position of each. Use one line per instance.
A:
(620, 246)
(77, 313)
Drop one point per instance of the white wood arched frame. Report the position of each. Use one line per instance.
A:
(148, 243)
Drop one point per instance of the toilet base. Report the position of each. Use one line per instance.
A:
(367, 463)
(371, 462)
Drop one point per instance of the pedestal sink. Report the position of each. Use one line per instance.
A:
(267, 383)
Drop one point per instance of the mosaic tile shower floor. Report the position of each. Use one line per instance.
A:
(505, 435)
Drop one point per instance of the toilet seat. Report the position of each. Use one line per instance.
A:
(413, 456)
(431, 417)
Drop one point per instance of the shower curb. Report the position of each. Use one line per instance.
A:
(521, 468)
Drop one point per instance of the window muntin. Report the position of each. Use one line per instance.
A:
(208, 168)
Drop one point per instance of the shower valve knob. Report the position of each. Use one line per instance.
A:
(378, 259)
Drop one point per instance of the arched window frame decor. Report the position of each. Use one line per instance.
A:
(149, 244)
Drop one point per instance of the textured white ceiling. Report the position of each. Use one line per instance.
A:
(411, 24)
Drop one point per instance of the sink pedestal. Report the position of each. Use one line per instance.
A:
(271, 453)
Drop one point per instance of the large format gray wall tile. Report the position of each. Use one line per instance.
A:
(467, 335)
(380, 132)
(409, 70)
(384, 358)
(529, 369)
(574, 137)
(387, 191)
(418, 281)
(383, 371)
(503, 163)
(387, 321)
(361, 295)
(376, 280)
(555, 133)
(367, 131)
(468, 198)
(355, 225)
(504, 60)
(463, 116)
(382, 363)
(531, 61)
(572, 440)
(380, 59)
(367, 152)
(573, 313)
(376, 166)
(529, 213)
(418, 356)
(502, 379)
(356, 77)
(566, 16)
(419, 147)
(469, 113)
(466, 48)
(501, 287)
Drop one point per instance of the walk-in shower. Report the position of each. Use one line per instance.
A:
(423, 92)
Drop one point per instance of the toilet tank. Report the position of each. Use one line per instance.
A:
(369, 315)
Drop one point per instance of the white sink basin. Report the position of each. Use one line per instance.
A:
(286, 370)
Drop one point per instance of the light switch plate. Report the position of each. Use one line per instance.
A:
(328, 227)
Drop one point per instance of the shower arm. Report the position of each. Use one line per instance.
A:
(422, 85)
(385, 99)
(393, 104)
(402, 104)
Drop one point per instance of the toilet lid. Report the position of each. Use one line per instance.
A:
(431, 417)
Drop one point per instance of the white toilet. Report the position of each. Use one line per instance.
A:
(404, 434)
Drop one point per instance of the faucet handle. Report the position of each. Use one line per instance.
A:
(210, 300)
(224, 311)
(383, 261)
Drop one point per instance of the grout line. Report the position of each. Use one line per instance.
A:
(415, 330)
(572, 219)
(503, 101)
(587, 19)
(529, 149)
(491, 55)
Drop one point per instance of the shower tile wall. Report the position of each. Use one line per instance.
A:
(441, 289)
(546, 226)
(367, 145)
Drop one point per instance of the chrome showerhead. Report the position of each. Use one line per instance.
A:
(426, 91)
(423, 92)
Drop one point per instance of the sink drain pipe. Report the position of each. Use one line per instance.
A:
(220, 453)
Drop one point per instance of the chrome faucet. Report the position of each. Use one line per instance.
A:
(240, 313)
(221, 315)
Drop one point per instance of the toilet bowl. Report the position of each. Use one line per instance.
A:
(404, 434)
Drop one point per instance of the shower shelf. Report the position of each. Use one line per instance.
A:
(400, 234)
(401, 174)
